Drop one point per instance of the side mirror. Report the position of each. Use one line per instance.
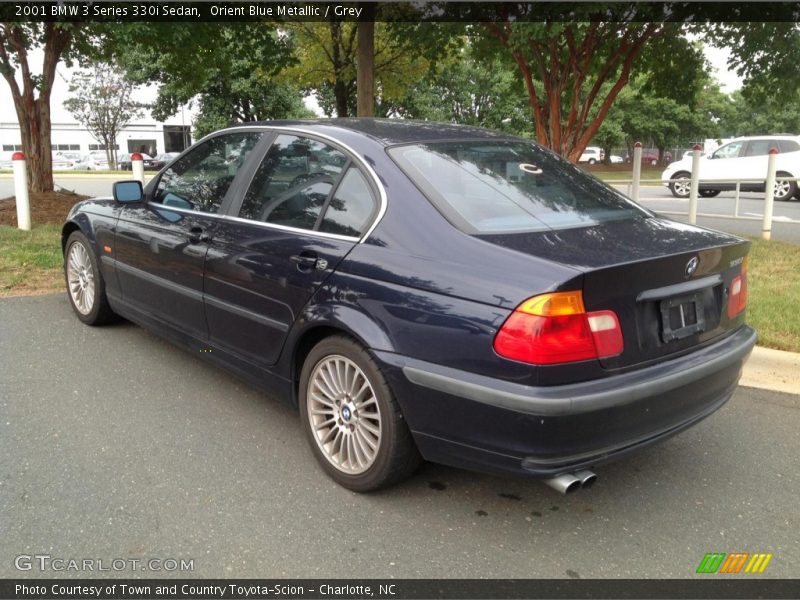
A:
(128, 191)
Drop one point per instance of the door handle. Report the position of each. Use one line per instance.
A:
(197, 235)
(309, 260)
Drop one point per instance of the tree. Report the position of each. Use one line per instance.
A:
(31, 93)
(574, 71)
(229, 70)
(327, 55)
(467, 92)
(102, 102)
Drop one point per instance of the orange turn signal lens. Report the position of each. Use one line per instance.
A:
(558, 304)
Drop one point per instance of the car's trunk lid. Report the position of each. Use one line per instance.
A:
(666, 281)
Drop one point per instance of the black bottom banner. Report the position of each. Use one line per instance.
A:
(391, 589)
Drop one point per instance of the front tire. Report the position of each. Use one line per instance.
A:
(86, 289)
(351, 419)
(709, 193)
(680, 185)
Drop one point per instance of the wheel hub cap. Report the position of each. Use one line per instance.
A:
(80, 279)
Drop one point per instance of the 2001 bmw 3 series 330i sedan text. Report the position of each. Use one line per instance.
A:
(420, 290)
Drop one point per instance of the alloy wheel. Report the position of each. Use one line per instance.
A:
(80, 278)
(344, 414)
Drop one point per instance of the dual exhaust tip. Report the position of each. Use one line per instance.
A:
(570, 482)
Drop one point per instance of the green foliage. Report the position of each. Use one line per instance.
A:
(469, 92)
(326, 52)
(230, 68)
(752, 112)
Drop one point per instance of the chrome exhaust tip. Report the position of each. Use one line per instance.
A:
(565, 484)
(586, 477)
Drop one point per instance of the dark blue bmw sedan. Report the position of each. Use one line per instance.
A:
(424, 291)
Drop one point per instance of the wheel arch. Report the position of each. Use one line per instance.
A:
(320, 322)
(79, 223)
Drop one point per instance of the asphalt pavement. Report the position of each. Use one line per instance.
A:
(115, 444)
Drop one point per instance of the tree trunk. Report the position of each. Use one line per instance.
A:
(34, 122)
(341, 95)
(366, 61)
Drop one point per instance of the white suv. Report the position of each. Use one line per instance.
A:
(592, 155)
(742, 158)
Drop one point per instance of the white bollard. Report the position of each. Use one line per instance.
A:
(694, 184)
(637, 170)
(769, 198)
(21, 191)
(138, 166)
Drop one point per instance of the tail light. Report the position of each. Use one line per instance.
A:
(737, 297)
(555, 328)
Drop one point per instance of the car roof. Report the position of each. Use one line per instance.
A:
(772, 136)
(389, 131)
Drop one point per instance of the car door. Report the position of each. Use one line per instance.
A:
(305, 209)
(724, 163)
(754, 165)
(161, 243)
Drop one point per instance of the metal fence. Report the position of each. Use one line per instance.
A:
(634, 188)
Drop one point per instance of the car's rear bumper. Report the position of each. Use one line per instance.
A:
(472, 421)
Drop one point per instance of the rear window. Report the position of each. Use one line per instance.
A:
(509, 187)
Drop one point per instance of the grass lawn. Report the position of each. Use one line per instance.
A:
(30, 263)
(774, 294)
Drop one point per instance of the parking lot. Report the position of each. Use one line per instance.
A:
(115, 444)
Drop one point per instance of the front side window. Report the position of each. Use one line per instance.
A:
(729, 150)
(507, 187)
(201, 178)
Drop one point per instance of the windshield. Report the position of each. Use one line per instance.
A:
(509, 187)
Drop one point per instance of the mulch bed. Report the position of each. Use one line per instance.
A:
(47, 207)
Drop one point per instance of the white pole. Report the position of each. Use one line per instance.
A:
(137, 163)
(637, 170)
(21, 191)
(769, 198)
(694, 184)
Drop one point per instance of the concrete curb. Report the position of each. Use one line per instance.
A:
(773, 370)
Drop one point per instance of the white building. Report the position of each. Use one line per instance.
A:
(143, 135)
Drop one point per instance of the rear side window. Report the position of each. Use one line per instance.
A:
(509, 187)
(760, 147)
(788, 146)
(306, 184)
(201, 178)
(351, 207)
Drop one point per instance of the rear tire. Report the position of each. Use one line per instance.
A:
(680, 184)
(86, 289)
(351, 419)
(784, 190)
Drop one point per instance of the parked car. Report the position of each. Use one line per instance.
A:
(65, 161)
(592, 155)
(160, 161)
(423, 290)
(742, 158)
(650, 158)
(124, 161)
(615, 159)
(92, 162)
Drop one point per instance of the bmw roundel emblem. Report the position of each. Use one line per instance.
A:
(691, 266)
(346, 413)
